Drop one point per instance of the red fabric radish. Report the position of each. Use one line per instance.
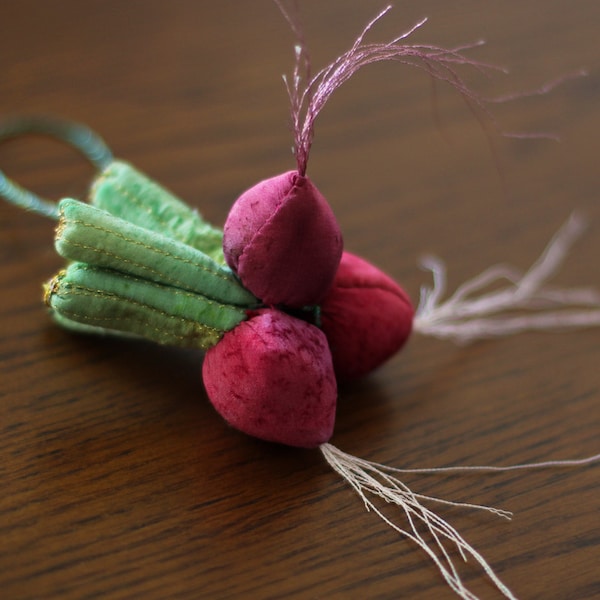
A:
(283, 241)
(366, 316)
(272, 377)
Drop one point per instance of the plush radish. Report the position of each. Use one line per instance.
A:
(272, 377)
(366, 316)
(283, 241)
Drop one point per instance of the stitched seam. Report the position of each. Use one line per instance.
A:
(88, 320)
(109, 176)
(89, 293)
(77, 290)
(158, 274)
(127, 194)
(140, 244)
(174, 291)
(265, 224)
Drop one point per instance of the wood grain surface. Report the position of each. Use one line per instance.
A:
(118, 480)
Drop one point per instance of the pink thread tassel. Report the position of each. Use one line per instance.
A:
(309, 94)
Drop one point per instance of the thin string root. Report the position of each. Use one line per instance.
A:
(373, 481)
(526, 303)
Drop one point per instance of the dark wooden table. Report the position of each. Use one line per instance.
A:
(118, 480)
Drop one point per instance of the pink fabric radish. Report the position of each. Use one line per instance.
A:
(283, 241)
(272, 377)
(366, 316)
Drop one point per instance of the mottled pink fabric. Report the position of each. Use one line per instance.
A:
(283, 240)
(366, 316)
(272, 377)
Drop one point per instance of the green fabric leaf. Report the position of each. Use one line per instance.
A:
(87, 298)
(127, 193)
(93, 236)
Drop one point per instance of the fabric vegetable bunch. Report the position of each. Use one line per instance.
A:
(281, 310)
(273, 375)
(288, 313)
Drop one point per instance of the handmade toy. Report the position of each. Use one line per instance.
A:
(281, 309)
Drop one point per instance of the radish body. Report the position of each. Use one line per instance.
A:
(272, 377)
(366, 316)
(283, 241)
